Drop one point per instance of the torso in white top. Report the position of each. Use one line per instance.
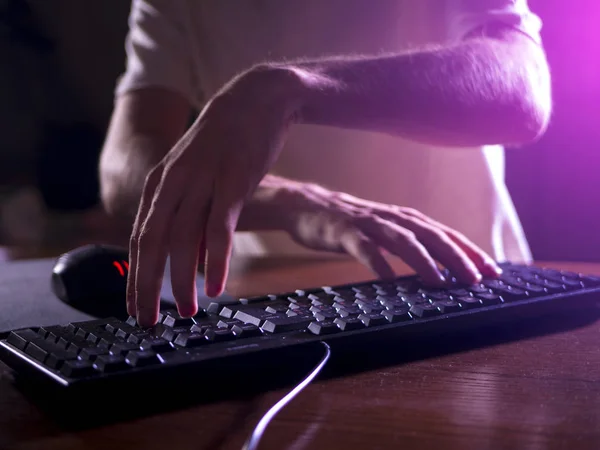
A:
(195, 46)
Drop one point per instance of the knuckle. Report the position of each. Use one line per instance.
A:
(437, 235)
(408, 236)
(406, 211)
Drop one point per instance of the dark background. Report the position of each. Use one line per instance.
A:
(61, 59)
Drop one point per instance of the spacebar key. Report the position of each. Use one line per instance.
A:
(285, 324)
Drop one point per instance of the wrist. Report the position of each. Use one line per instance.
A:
(271, 207)
(287, 88)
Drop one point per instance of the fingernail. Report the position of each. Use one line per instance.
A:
(441, 278)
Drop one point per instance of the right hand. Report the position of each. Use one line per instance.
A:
(197, 191)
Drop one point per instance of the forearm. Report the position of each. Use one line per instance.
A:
(145, 124)
(481, 91)
(124, 166)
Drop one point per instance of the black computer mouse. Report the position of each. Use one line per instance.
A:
(93, 279)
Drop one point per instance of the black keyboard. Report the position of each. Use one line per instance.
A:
(246, 333)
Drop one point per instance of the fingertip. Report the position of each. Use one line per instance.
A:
(493, 270)
(131, 310)
(145, 321)
(214, 289)
(187, 310)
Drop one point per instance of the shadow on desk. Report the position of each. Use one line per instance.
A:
(282, 370)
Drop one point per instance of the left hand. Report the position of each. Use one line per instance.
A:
(320, 219)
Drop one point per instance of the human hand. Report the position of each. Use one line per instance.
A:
(323, 220)
(192, 200)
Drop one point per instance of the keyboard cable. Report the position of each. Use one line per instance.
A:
(254, 439)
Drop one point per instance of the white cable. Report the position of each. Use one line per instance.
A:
(254, 439)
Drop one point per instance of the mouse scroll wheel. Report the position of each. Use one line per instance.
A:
(122, 267)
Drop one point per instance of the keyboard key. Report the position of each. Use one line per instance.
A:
(158, 345)
(424, 310)
(255, 316)
(77, 368)
(122, 348)
(415, 299)
(246, 330)
(399, 314)
(373, 319)
(191, 340)
(391, 302)
(511, 293)
(458, 292)
(323, 328)
(173, 319)
(305, 301)
(468, 302)
(219, 335)
(285, 324)
(367, 290)
(138, 337)
(434, 294)
(590, 281)
(34, 350)
(123, 331)
(21, 338)
(277, 307)
(489, 299)
(369, 306)
(478, 289)
(447, 306)
(56, 359)
(350, 311)
(321, 298)
(170, 334)
(92, 353)
(110, 363)
(51, 334)
(142, 358)
(350, 323)
(228, 323)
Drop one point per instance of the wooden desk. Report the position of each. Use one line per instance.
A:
(540, 393)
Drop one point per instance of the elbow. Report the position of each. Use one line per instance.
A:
(115, 191)
(521, 121)
(111, 197)
(529, 114)
(528, 123)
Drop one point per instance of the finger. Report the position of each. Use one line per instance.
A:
(482, 260)
(445, 250)
(219, 232)
(202, 252)
(185, 243)
(359, 246)
(152, 181)
(404, 244)
(153, 245)
(448, 253)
